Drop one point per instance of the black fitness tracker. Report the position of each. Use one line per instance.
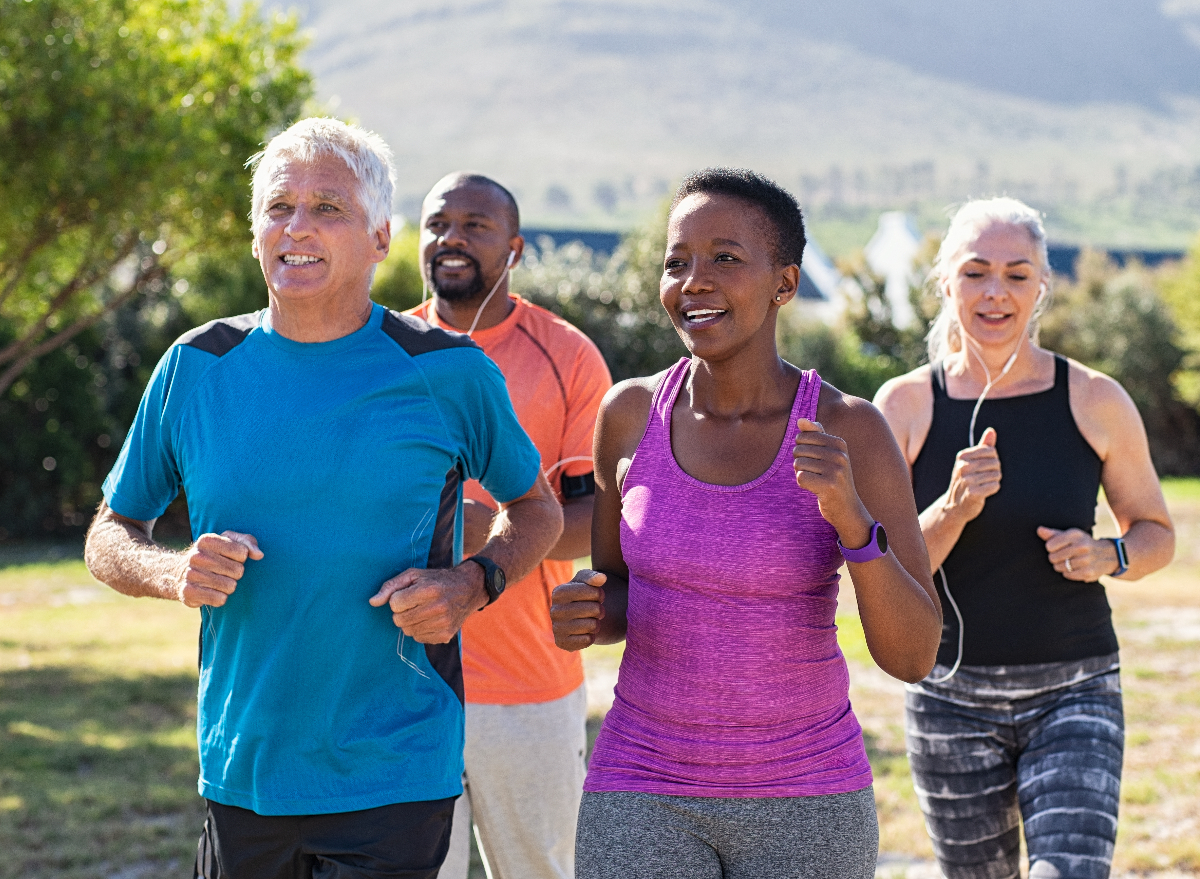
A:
(493, 576)
(1122, 556)
(578, 486)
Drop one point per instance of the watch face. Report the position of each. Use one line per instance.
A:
(493, 576)
(881, 539)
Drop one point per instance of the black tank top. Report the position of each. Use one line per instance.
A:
(1016, 608)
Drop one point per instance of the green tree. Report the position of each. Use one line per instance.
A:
(838, 356)
(398, 278)
(1180, 287)
(866, 348)
(123, 130)
(1114, 320)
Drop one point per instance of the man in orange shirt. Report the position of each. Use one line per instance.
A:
(526, 704)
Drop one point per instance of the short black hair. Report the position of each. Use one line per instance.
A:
(777, 204)
(514, 212)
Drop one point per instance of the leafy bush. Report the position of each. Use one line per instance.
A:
(1115, 320)
(614, 299)
(398, 278)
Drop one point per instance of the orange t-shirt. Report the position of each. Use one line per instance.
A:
(556, 379)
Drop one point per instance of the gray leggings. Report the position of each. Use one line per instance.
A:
(996, 746)
(622, 834)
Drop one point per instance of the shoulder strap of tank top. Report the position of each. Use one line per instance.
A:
(808, 396)
(1062, 373)
(664, 394)
(1061, 392)
(937, 376)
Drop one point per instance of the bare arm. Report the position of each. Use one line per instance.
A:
(858, 474)
(1109, 421)
(524, 530)
(430, 605)
(121, 553)
(907, 405)
(575, 543)
(591, 609)
(576, 540)
(975, 477)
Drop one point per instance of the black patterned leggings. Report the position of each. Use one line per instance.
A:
(996, 746)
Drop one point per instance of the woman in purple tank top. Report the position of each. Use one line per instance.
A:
(729, 489)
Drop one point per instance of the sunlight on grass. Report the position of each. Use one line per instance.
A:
(97, 720)
(1181, 490)
(97, 725)
(851, 639)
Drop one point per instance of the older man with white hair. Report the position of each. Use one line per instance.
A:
(322, 444)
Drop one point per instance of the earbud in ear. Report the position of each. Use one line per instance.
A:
(512, 255)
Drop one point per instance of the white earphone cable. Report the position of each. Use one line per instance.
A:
(565, 461)
(488, 298)
(958, 660)
(970, 442)
(512, 255)
(991, 382)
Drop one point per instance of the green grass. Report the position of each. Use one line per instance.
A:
(1181, 490)
(97, 713)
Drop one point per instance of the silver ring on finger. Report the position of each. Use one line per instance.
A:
(1069, 568)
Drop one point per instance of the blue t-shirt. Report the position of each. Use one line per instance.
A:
(345, 460)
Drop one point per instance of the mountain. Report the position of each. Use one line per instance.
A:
(591, 111)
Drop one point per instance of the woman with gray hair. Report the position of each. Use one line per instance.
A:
(1021, 719)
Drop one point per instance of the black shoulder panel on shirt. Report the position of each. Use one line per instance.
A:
(221, 336)
(417, 337)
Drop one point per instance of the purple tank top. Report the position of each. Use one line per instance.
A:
(732, 683)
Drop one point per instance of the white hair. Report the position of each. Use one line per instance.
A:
(945, 335)
(364, 152)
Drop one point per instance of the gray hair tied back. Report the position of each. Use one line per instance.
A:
(945, 334)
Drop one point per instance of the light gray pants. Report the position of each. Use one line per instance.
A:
(623, 835)
(524, 775)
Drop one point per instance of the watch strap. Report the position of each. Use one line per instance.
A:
(1122, 556)
(876, 547)
(493, 576)
(578, 486)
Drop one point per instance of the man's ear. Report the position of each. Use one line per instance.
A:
(517, 245)
(383, 242)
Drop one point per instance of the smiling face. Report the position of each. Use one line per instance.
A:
(467, 235)
(720, 278)
(311, 235)
(994, 284)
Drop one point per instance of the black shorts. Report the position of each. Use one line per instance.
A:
(402, 841)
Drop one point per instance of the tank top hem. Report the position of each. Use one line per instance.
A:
(850, 784)
(1016, 681)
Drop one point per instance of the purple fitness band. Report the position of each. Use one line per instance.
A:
(876, 547)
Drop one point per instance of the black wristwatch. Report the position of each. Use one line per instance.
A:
(493, 576)
(1122, 556)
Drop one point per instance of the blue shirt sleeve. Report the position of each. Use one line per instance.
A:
(474, 399)
(145, 478)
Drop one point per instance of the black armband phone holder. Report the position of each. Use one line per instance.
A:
(578, 486)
